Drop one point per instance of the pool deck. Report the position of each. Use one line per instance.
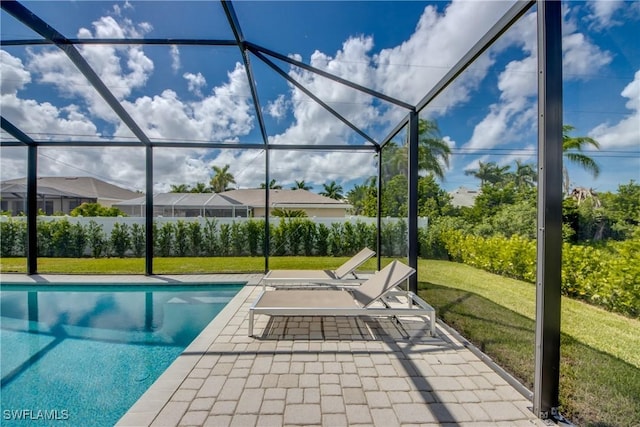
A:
(317, 371)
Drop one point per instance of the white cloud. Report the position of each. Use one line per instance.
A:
(515, 113)
(602, 12)
(195, 83)
(53, 67)
(277, 108)
(175, 58)
(409, 70)
(14, 76)
(625, 133)
(223, 115)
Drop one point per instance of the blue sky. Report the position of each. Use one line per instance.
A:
(398, 48)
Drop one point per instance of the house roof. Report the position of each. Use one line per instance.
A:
(284, 198)
(20, 191)
(81, 186)
(463, 196)
(184, 200)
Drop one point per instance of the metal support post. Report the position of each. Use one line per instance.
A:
(379, 211)
(148, 219)
(412, 211)
(549, 252)
(32, 209)
(267, 227)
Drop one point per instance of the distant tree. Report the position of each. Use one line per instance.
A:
(360, 194)
(332, 190)
(525, 175)
(489, 173)
(179, 188)
(572, 147)
(288, 213)
(221, 179)
(200, 187)
(433, 153)
(273, 185)
(95, 209)
(301, 185)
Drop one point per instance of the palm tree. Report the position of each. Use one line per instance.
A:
(488, 172)
(433, 152)
(200, 187)
(572, 147)
(222, 178)
(180, 188)
(525, 174)
(333, 190)
(358, 196)
(272, 185)
(301, 185)
(432, 149)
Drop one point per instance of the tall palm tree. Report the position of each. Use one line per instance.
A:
(222, 178)
(525, 174)
(273, 185)
(433, 152)
(301, 185)
(333, 190)
(179, 188)
(489, 172)
(572, 147)
(200, 187)
(358, 196)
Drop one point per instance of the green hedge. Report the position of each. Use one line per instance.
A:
(290, 236)
(608, 276)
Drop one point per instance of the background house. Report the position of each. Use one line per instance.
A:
(186, 205)
(314, 205)
(61, 194)
(463, 196)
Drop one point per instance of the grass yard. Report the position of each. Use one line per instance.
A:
(187, 265)
(600, 364)
(600, 351)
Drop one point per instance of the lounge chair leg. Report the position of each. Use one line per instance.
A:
(250, 323)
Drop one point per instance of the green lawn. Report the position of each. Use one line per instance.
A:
(600, 363)
(600, 351)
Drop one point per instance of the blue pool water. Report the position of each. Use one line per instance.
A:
(83, 358)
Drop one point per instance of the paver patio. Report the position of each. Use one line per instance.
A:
(326, 371)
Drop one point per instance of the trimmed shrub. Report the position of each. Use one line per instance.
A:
(120, 240)
(137, 240)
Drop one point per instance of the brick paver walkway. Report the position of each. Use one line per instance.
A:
(326, 371)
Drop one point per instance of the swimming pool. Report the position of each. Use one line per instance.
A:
(82, 355)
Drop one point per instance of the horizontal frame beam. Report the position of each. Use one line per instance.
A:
(212, 145)
(136, 41)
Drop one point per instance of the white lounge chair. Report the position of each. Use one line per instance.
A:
(343, 274)
(368, 299)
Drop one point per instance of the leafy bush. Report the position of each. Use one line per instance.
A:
(254, 232)
(95, 209)
(138, 240)
(210, 241)
(238, 239)
(181, 239)
(97, 239)
(164, 238)
(225, 240)
(9, 236)
(608, 276)
(195, 238)
(120, 240)
(322, 239)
